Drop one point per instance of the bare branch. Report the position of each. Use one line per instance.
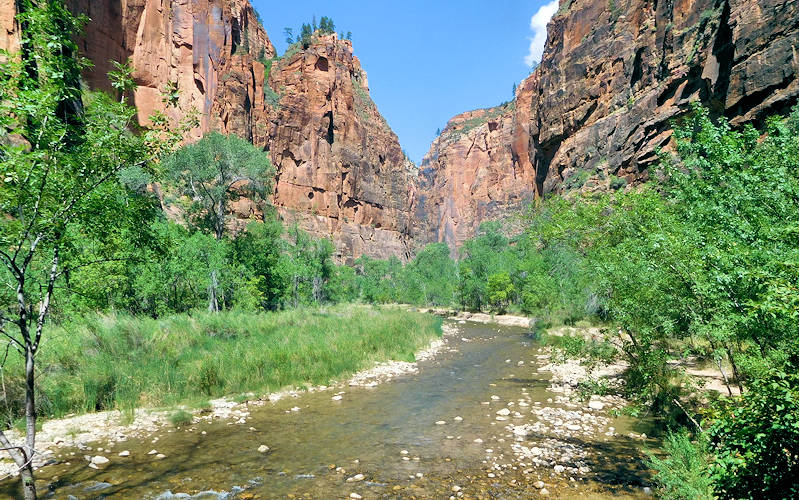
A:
(12, 339)
(45, 305)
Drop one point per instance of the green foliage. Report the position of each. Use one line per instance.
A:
(180, 418)
(617, 183)
(119, 361)
(122, 78)
(756, 441)
(682, 474)
(214, 171)
(576, 180)
(500, 291)
(326, 26)
(486, 254)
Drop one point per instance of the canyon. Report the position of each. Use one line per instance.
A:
(593, 116)
(614, 77)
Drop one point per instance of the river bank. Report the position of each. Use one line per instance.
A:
(396, 348)
(487, 413)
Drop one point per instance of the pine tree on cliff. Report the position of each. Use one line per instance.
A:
(306, 33)
(327, 26)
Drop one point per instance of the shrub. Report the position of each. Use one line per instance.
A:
(683, 473)
(617, 183)
(180, 418)
(756, 441)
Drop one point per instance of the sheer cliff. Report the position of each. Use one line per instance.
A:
(614, 76)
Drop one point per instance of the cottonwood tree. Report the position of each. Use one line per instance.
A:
(62, 151)
(211, 173)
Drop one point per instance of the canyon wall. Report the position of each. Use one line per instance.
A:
(341, 169)
(341, 172)
(614, 76)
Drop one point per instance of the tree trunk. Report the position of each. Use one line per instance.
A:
(28, 484)
(213, 303)
(23, 455)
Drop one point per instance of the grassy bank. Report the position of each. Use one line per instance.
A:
(123, 362)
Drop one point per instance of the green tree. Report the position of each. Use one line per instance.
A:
(481, 256)
(326, 25)
(259, 251)
(500, 291)
(431, 277)
(209, 174)
(62, 154)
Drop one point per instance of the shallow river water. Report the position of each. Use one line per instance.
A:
(366, 433)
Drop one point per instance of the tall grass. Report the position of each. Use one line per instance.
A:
(123, 362)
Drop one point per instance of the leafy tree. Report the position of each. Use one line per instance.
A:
(305, 36)
(259, 250)
(209, 174)
(308, 267)
(342, 285)
(326, 25)
(62, 154)
(481, 256)
(431, 277)
(500, 291)
(756, 441)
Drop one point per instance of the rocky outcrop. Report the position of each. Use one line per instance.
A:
(208, 49)
(341, 169)
(614, 76)
(341, 172)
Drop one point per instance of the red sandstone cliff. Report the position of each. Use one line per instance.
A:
(341, 169)
(341, 172)
(208, 48)
(613, 77)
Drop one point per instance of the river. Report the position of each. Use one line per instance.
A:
(432, 434)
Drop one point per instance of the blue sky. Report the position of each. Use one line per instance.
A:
(428, 60)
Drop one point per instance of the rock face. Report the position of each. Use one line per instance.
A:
(207, 48)
(341, 172)
(613, 77)
(478, 169)
(341, 169)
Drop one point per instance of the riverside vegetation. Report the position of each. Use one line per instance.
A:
(700, 267)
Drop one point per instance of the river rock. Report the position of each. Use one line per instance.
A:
(559, 468)
(504, 412)
(263, 448)
(440, 422)
(539, 484)
(355, 496)
(336, 398)
(356, 478)
(97, 487)
(160, 456)
(544, 491)
(456, 488)
(596, 405)
(99, 462)
(124, 453)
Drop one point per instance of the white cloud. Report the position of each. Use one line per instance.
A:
(538, 24)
